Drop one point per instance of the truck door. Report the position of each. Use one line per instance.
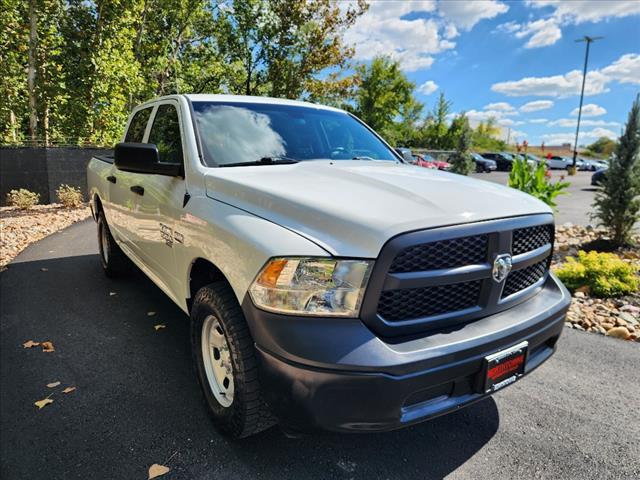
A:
(121, 198)
(160, 201)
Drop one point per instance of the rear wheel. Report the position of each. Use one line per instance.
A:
(114, 261)
(225, 363)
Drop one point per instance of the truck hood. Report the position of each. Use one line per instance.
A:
(351, 208)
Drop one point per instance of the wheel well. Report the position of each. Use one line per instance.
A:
(203, 272)
(98, 207)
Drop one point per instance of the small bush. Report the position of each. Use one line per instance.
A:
(23, 199)
(535, 181)
(605, 274)
(70, 197)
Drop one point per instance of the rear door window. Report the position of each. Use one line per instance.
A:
(165, 134)
(138, 125)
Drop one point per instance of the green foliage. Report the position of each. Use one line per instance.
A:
(460, 132)
(484, 136)
(603, 146)
(617, 205)
(384, 92)
(70, 197)
(23, 199)
(605, 274)
(533, 180)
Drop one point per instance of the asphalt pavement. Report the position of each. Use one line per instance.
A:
(574, 206)
(137, 402)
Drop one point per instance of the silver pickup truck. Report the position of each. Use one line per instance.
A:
(329, 284)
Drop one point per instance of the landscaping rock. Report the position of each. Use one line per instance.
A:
(619, 332)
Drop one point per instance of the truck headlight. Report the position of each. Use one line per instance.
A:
(311, 286)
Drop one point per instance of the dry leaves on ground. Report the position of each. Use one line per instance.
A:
(68, 390)
(53, 384)
(48, 347)
(21, 227)
(150, 314)
(43, 403)
(30, 344)
(156, 470)
(159, 327)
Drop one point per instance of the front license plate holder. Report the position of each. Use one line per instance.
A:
(504, 367)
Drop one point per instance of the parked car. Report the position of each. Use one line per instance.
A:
(559, 163)
(598, 177)
(483, 164)
(503, 160)
(329, 285)
(442, 165)
(425, 161)
(592, 165)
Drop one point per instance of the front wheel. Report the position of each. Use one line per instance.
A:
(225, 363)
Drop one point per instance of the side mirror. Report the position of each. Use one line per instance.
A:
(143, 158)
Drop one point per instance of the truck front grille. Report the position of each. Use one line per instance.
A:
(397, 305)
(439, 278)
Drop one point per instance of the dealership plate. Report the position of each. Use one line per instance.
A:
(504, 367)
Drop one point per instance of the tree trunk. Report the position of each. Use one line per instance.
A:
(31, 72)
(14, 127)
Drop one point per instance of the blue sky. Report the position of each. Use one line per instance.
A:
(516, 61)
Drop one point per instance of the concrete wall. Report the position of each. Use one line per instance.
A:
(43, 170)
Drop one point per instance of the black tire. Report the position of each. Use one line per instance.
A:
(114, 261)
(247, 414)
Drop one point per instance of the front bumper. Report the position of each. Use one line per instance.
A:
(335, 374)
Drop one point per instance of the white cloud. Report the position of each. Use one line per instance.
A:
(428, 87)
(536, 105)
(585, 136)
(450, 31)
(538, 120)
(626, 69)
(466, 14)
(383, 31)
(541, 33)
(590, 110)
(555, 86)
(571, 122)
(500, 106)
(580, 11)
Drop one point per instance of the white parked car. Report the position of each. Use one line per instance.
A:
(559, 163)
(329, 284)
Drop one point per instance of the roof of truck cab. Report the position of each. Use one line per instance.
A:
(200, 97)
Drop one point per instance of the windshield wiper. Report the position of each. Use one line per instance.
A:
(264, 161)
(363, 157)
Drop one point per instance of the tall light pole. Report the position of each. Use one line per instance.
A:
(589, 41)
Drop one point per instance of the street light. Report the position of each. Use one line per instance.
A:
(589, 41)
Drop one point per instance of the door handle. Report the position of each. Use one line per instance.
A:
(137, 189)
(111, 179)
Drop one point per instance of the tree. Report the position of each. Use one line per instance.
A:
(384, 92)
(435, 128)
(617, 205)
(603, 146)
(460, 132)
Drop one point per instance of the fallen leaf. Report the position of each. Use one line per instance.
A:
(47, 347)
(150, 314)
(53, 384)
(30, 343)
(68, 390)
(43, 403)
(584, 289)
(159, 327)
(156, 470)
(111, 294)
(44, 269)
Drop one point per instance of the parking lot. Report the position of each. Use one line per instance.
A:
(573, 207)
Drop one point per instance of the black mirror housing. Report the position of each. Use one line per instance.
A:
(143, 158)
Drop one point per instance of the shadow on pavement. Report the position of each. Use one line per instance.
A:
(137, 401)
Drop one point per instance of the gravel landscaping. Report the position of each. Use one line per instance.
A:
(618, 317)
(19, 228)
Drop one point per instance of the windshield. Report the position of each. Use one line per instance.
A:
(238, 133)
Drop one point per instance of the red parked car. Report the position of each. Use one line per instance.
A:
(429, 162)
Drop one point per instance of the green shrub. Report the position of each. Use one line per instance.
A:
(532, 180)
(70, 197)
(23, 199)
(605, 274)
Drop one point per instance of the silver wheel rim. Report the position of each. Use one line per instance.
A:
(104, 241)
(217, 361)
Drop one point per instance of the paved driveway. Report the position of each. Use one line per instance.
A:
(573, 207)
(137, 402)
